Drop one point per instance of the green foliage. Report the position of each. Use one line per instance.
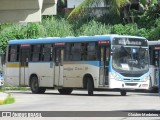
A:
(54, 27)
(18, 31)
(81, 10)
(145, 2)
(1, 89)
(4, 88)
(9, 100)
(61, 3)
(129, 29)
(94, 28)
(50, 27)
(154, 33)
(59, 27)
(84, 8)
(33, 30)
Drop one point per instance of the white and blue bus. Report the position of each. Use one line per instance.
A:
(154, 52)
(111, 62)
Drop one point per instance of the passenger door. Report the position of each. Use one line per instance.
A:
(104, 65)
(59, 58)
(156, 63)
(24, 58)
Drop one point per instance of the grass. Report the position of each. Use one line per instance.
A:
(8, 100)
(16, 88)
(4, 88)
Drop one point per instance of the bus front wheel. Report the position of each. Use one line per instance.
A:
(123, 93)
(35, 86)
(90, 86)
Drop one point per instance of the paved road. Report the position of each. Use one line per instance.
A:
(79, 101)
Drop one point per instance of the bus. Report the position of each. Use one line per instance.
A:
(111, 62)
(154, 52)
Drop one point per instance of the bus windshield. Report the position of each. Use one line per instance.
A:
(130, 60)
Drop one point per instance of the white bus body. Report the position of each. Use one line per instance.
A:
(92, 70)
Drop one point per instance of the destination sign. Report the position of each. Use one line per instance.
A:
(60, 44)
(130, 42)
(25, 45)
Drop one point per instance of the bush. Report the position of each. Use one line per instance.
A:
(93, 28)
(50, 27)
(54, 27)
(154, 33)
(129, 29)
(59, 27)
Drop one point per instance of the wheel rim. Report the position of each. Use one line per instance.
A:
(34, 84)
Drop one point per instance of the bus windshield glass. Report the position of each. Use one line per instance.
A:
(130, 59)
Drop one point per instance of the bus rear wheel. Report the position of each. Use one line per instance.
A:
(90, 86)
(65, 91)
(35, 86)
(123, 93)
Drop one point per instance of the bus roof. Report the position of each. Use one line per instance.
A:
(69, 39)
(154, 42)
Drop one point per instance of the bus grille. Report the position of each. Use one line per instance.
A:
(131, 84)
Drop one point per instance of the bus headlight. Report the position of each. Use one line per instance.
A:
(146, 78)
(115, 76)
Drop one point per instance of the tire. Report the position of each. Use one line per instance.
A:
(90, 87)
(123, 93)
(35, 86)
(65, 91)
(153, 90)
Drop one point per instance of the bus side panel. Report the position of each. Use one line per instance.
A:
(44, 71)
(12, 74)
(75, 71)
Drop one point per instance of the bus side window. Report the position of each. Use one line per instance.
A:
(67, 51)
(36, 53)
(76, 51)
(47, 52)
(84, 51)
(91, 51)
(13, 53)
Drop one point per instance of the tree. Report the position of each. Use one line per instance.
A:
(84, 8)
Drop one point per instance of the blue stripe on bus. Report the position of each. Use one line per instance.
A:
(94, 63)
(67, 39)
